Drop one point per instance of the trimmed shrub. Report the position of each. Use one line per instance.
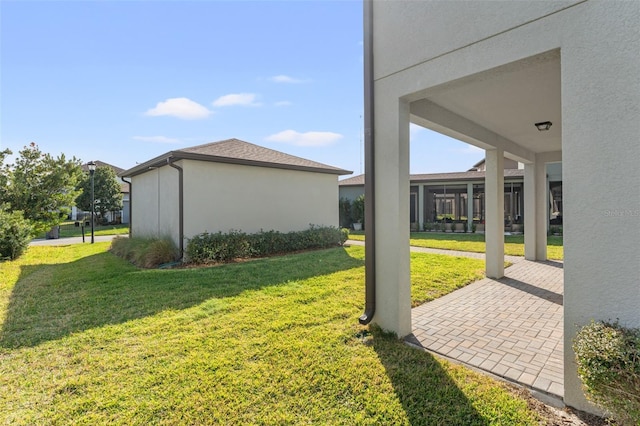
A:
(145, 252)
(344, 235)
(219, 247)
(608, 357)
(15, 234)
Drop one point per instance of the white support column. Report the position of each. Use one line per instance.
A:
(393, 285)
(542, 209)
(469, 206)
(494, 228)
(530, 202)
(420, 202)
(536, 208)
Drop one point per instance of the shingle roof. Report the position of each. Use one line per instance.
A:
(236, 151)
(352, 181)
(434, 177)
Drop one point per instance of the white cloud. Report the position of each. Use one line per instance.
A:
(283, 103)
(285, 79)
(305, 139)
(183, 108)
(156, 139)
(243, 99)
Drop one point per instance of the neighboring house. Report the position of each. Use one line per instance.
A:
(538, 83)
(435, 196)
(121, 216)
(230, 185)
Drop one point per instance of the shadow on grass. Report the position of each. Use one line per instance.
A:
(52, 301)
(428, 394)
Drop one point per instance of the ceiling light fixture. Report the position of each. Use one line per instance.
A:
(543, 125)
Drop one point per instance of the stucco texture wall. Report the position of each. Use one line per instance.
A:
(422, 45)
(401, 40)
(221, 197)
(154, 205)
(351, 192)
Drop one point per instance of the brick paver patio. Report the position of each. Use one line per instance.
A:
(511, 327)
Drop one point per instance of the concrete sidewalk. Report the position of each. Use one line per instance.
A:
(73, 240)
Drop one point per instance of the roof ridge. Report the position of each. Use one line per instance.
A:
(240, 152)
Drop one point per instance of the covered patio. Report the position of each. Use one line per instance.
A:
(537, 83)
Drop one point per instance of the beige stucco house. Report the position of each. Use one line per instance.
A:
(459, 196)
(486, 72)
(230, 185)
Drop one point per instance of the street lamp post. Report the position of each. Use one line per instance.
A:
(92, 170)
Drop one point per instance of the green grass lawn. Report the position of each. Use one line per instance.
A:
(513, 244)
(87, 338)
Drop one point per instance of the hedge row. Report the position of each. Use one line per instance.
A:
(608, 357)
(219, 247)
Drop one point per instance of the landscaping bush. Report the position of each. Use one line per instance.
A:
(15, 234)
(358, 210)
(344, 235)
(145, 252)
(219, 247)
(608, 358)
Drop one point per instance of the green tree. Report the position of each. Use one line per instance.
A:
(41, 186)
(106, 188)
(344, 209)
(5, 172)
(358, 209)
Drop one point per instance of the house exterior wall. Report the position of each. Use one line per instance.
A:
(221, 197)
(351, 192)
(425, 201)
(125, 208)
(400, 39)
(155, 204)
(600, 180)
(421, 45)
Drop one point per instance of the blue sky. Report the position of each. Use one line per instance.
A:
(124, 81)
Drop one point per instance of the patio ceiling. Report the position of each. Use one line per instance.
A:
(506, 101)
